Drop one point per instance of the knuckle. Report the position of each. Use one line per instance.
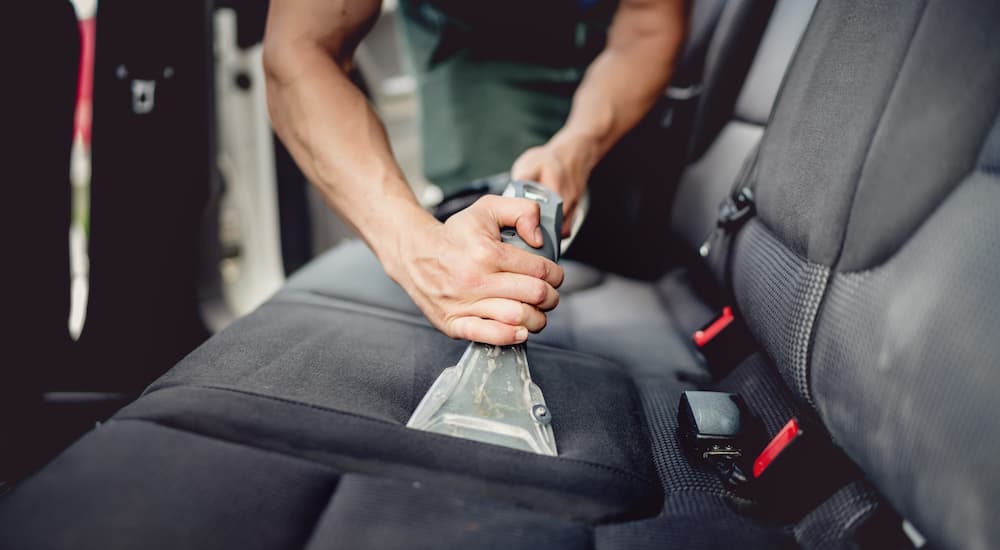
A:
(465, 278)
(482, 253)
(541, 270)
(453, 328)
(538, 292)
(535, 315)
(558, 275)
(542, 322)
(486, 201)
(550, 303)
(513, 316)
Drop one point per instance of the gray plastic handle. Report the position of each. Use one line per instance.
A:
(552, 218)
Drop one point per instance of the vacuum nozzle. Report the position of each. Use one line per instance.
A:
(489, 395)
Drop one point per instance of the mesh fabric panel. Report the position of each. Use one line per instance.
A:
(678, 473)
(779, 294)
(764, 392)
(691, 521)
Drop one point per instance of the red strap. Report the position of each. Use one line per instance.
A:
(706, 334)
(774, 448)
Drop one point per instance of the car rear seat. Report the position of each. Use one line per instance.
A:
(652, 333)
(872, 306)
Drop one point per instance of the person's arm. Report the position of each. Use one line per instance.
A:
(467, 283)
(618, 89)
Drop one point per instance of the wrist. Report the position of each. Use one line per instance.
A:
(403, 221)
(579, 148)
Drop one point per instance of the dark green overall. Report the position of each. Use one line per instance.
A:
(496, 78)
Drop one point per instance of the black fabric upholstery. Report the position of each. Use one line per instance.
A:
(827, 114)
(904, 370)
(132, 484)
(727, 62)
(989, 158)
(887, 338)
(573, 487)
(703, 18)
(705, 522)
(779, 294)
(885, 343)
(660, 397)
(599, 313)
(884, 335)
(784, 30)
(764, 392)
(351, 272)
(708, 180)
(387, 514)
(932, 129)
(689, 299)
(838, 522)
(359, 375)
(623, 321)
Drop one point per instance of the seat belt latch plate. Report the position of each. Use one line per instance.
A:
(785, 437)
(703, 336)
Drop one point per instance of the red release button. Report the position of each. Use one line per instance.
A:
(706, 334)
(774, 448)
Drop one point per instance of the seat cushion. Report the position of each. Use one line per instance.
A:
(337, 381)
(623, 320)
(134, 484)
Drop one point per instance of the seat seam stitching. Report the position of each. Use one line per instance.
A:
(613, 469)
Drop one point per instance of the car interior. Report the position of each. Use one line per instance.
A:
(809, 240)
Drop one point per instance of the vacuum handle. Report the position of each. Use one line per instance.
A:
(551, 218)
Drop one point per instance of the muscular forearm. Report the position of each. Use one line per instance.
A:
(338, 141)
(619, 88)
(467, 283)
(624, 81)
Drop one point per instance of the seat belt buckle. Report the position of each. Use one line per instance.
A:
(723, 342)
(787, 476)
(718, 428)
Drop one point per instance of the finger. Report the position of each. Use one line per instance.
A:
(514, 286)
(526, 167)
(515, 260)
(508, 312)
(486, 331)
(521, 214)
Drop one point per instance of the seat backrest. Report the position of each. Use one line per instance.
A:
(731, 120)
(869, 275)
(631, 190)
